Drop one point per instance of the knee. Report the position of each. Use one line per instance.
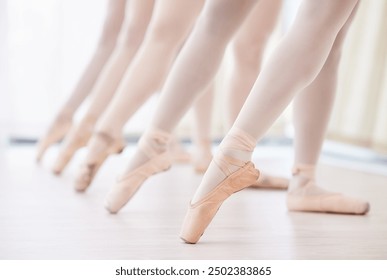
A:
(134, 32)
(247, 54)
(335, 54)
(168, 30)
(221, 19)
(215, 23)
(326, 19)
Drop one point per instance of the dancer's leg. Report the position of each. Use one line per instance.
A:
(107, 42)
(293, 65)
(312, 108)
(247, 51)
(170, 24)
(313, 105)
(192, 72)
(62, 121)
(136, 21)
(201, 136)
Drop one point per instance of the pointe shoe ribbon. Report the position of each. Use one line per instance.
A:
(201, 213)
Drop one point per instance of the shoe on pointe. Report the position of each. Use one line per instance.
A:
(77, 138)
(201, 213)
(238, 174)
(130, 182)
(100, 146)
(55, 133)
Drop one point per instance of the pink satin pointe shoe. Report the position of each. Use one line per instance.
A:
(55, 133)
(201, 213)
(266, 181)
(328, 203)
(129, 183)
(305, 195)
(77, 138)
(107, 145)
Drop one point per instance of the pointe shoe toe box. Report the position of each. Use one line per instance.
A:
(201, 213)
(123, 191)
(339, 203)
(85, 176)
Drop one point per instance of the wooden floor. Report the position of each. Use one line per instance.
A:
(41, 217)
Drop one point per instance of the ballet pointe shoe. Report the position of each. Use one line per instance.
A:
(130, 182)
(101, 146)
(55, 133)
(202, 156)
(308, 197)
(231, 158)
(328, 203)
(77, 138)
(266, 181)
(201, 213)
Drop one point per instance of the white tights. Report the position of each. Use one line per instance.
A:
(62, 122)
(131, 36)
(306, 48)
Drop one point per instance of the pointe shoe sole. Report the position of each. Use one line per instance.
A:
(332, 203)
(201, 213)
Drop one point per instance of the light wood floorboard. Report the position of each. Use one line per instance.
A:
(42, 217)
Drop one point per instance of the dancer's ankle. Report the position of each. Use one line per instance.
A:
(151, 144)
(238, 145)
(303, 174)
(233, 153)
(154, 141)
